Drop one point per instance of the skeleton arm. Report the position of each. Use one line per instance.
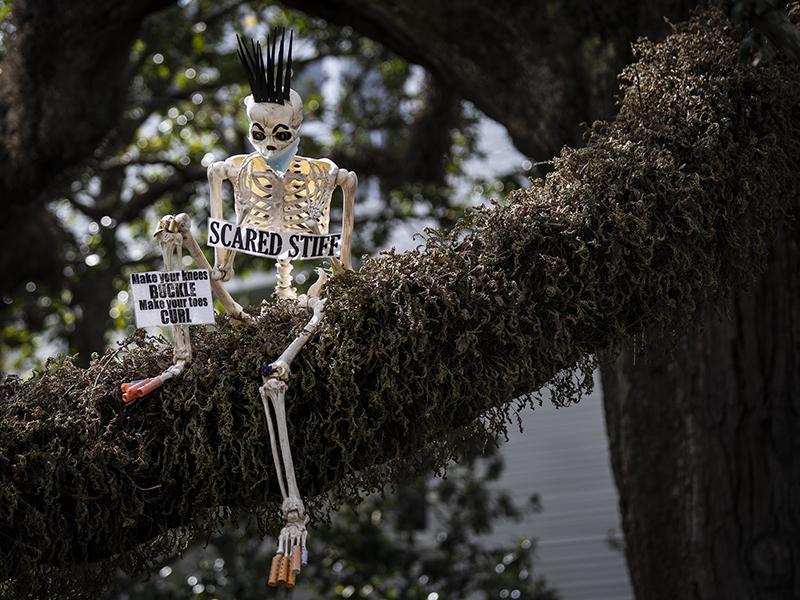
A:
(218, 172)
(348, 181)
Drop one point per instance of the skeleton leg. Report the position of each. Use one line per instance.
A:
(276, 457)
(171, 242)
(173, 233)
(171, 248)
(292, 553)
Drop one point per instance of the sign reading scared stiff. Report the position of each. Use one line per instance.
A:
(272, 244)
(172, 298)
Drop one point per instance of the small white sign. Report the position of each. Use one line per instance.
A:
(172, 298)
(272, 244)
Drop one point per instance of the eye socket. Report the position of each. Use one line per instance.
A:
(283, 136)
(258, 136)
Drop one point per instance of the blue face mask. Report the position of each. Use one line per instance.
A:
(280, 162)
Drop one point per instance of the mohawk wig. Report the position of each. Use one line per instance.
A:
(273, 82)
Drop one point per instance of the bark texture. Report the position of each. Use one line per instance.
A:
(705, 444)
(703, 433)
(665, 207)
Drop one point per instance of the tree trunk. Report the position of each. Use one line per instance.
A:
(61, 91)
(704, 444)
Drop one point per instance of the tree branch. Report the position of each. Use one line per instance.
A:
(665, 207)
(132, 209)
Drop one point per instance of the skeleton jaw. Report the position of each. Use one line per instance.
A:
(279, 159)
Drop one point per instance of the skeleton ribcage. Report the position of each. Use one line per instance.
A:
(298, 201)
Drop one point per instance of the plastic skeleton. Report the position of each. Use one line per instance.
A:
(278, 191)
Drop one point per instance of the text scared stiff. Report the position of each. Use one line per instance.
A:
(272, 244)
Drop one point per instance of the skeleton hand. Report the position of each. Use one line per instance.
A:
(173, 224)
(314, 292)
(179, 223)
(168, 223)
(222, 274)
(337, 268)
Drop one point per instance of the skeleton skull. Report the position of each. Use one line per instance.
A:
(274, 127)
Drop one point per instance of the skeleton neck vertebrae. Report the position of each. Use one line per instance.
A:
(276, 193)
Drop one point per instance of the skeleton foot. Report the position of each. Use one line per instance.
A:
(292, 553)
(134, 390)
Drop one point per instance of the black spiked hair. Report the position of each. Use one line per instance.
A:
(270, 83)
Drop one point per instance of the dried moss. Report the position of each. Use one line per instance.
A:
(666, 207)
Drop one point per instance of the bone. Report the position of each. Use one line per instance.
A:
(284, 289)
(275, 456)
(231, 306)
(295, 559)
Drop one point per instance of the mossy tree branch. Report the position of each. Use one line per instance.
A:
(664, 208)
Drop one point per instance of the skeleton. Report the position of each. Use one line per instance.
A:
(274, 190)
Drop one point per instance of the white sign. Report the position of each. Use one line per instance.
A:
(272, 244)
(172, 298)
